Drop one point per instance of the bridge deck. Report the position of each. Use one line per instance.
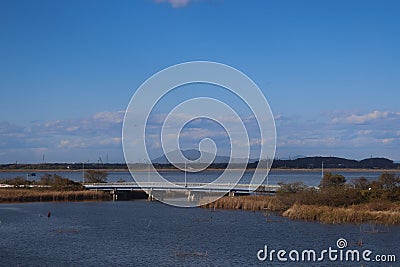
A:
(201, 187)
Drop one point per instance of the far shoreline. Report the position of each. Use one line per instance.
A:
(207, 170)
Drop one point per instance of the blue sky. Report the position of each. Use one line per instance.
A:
(329, 69)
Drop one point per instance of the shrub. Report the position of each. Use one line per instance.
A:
(332, 180)
(96, 176)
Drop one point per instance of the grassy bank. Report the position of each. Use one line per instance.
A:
(50, 187)
(15, 195)
(381, 213)
(353, 214)
(253, 203)
(335, 201)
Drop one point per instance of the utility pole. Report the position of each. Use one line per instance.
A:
(83, 172)
(267, 175)
(185, 175)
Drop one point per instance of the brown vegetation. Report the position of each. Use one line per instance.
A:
(248, 203)
(96, 176)
(53, 181)
(352, 214)
(34, 195)
(335, 201)
(50, 187)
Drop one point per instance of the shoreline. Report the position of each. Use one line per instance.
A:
(18, 195)
(355, 214)
(207, 170)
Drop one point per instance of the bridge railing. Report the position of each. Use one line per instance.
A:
(180, 186)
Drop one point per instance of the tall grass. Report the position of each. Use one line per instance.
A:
(32, 195)
(382, 212)
(253, 203)
(352, 214)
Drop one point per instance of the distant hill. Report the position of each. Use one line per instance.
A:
(194, 154)
(297, 162)
(293, 157)
(221, 163)
(335, 162)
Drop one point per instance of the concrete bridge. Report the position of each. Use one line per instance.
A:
(193, 191)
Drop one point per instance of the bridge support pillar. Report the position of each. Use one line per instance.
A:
(231, 193)
(191, 196)
(114, 195)
(150, 197)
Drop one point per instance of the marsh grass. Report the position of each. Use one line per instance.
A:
(376, 212)
(253, 203)
(34, 195)
(352, 214)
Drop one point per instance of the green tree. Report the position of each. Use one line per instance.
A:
(332, 180)
(96, 176)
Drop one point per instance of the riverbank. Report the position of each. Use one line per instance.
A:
(378, 212)
(335, 170)
(18, 195)
(354, 214)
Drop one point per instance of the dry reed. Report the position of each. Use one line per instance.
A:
(351, 214)
(31, 195)
(248, 203)
(377, 212)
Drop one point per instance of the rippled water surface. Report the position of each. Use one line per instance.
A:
(142, 233)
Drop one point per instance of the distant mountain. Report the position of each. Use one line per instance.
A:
(220, 162)
(297, 162)
(194, 154)
(293, 157)
(334, 162)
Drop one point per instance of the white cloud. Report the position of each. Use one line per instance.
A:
(199, 133)
(351, 135)
(388, 140)
(98, 124)
(87, 142)
(111, 141)
(64, 143)
(81, 143)
(110, 117)
(102, 131)
(175, 3)
(72, 128)
(355, 134)
(8, 128)
(364, 132)
(362, 119)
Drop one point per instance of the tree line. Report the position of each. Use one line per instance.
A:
(334, 190)
(58, 182)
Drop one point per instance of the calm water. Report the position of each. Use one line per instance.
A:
(141, 233)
